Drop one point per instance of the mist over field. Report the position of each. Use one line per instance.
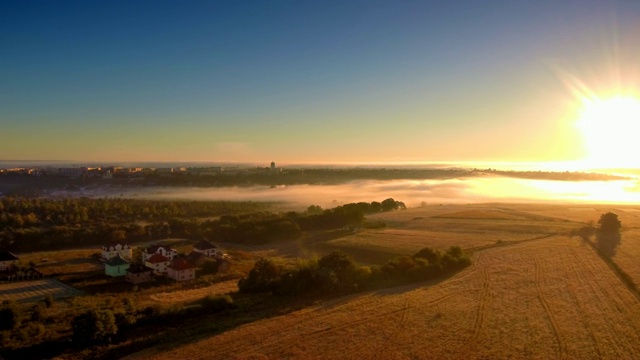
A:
(412, 192)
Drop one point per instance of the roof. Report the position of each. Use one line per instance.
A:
(7, 256)
(154, 248)
(204, 245)
(181, 264)
(113, 244)
(158, 258)
(138, 269)
(116, 261)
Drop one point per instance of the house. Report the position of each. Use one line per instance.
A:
(8, 261)
(112, 249)
(165, 251)
(116, 266)
(158, 263)
(206, 248)
(181, 270)
(139, 273)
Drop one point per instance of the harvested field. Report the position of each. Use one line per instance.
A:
(195, 294)
(33, 290)
(440, 227)
(545, 299)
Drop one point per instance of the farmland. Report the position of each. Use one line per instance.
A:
(468, 226)
(532, 291)
(550, 298)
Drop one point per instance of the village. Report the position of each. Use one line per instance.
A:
(135, 265)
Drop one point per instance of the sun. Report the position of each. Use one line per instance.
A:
(611, 131)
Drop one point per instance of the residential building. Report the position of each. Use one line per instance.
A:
(139, 273)
(206, 248)
(165, 251)
(158, 263)
(116, 266)
(113, 249)
(181, 270)
(8, 261)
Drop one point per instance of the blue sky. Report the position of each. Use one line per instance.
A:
(298, 81)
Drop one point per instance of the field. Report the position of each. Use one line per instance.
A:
(532, 292)
(468, 226)
(550, 298)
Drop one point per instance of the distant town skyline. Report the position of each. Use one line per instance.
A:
(312, 82)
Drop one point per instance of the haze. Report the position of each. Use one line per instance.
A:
(413, 193)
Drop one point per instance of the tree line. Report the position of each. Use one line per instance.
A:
(28, 224)
(337, 272)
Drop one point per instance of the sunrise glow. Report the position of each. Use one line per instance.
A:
(609, 129)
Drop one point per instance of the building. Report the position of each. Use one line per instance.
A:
(158, 263)
(116, 266)
(8, 261)
(181, 270)
(206, 248)
(139, 273)
(165, 251)
(113, 249)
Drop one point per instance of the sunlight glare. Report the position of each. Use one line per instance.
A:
(610, 130)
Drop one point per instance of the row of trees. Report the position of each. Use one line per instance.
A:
(337, 272)
(44, 223)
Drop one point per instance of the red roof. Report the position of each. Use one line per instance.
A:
(158, 258)
(181, 264)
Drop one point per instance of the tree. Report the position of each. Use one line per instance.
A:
(608, 233)
(263, 277)
(336, 270)
(429, 254)
(93, 326)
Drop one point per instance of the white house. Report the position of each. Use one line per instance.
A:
(206, 248)
(7, 260)
(111, 250)
(158, 263)
(181, 270)
(165, 251)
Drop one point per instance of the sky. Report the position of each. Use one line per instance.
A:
(308, 81)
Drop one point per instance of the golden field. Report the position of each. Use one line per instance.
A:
(536, 294)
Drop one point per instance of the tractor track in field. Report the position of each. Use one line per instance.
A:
(562, 347)
(482, 302)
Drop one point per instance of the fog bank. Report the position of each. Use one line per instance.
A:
(412, 192)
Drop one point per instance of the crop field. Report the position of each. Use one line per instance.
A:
(549, 298)
(33, 290)
(439, 227)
